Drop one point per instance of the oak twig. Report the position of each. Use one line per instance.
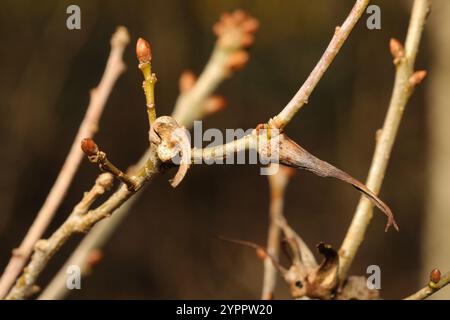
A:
(405, 81)
(436, 283)
(144, 55)
(114, 68)
(340, 35)
(80, 220)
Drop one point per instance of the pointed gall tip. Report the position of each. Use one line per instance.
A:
(89, 147)
(143, 51)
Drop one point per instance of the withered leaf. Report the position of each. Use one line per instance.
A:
(291, 154)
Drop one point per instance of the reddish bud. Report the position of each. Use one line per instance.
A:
(260, 253)
(94, 257)
(187, 81)
(239, 15)
(238, 60)
(247, 40)
(288, 171)
(214, 104)
(417, 77)
(250, 25)
(143, 51)
(435, 275)
(396, 48)
(89, 147)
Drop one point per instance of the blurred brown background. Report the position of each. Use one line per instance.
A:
(167, 247)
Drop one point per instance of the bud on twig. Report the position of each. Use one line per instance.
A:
(143, 51)
(214, 104)
(417, 77)
(261, 253)
(94, 257)
(187, 81)
(236, 30)
(238, 60)
(435, 275)
(89, 147)
(397, 50)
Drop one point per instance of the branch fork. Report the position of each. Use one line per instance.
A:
(99, 158)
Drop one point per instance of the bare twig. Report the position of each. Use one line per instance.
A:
(301, 97)
(436, 283)
(89, 125)
(278, 183)
(405, 81)
(78, 221)
(191, 105)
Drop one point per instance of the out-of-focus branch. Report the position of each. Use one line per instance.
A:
(340, 35)
(278, 183)
(45, 249)
(435, 238)
(405, 81)
(235, 31)
(114, 68)
(80, 220)
(436, 283)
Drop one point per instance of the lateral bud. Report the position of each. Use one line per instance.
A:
(417, 77)
(397, 50)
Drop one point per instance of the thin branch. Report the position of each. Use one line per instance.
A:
(77, 223)
(340, 35)
(89, 125)
(405, 81)
(278, 183)
(144, 55)
(432, 287)
(45, 249)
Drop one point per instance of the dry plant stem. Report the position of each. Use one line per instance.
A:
(45, 249)
(278, 183)
(89, 125)
(301, 97)
(431, 288)
(400, 96)
(189, 108)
